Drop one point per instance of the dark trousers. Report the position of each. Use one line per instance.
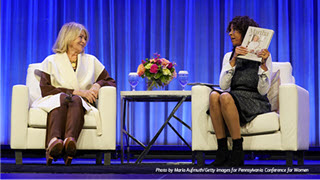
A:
(66, 120)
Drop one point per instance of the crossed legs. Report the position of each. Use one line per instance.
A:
(64, 122)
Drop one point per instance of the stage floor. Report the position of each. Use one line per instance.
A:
(85, 168)
(164, 162)
(92, 161)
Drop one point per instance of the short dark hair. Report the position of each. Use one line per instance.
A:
(241, 24)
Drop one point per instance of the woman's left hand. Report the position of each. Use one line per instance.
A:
(95, 89)
(264, 54)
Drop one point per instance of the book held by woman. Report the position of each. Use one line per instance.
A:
(255, 40)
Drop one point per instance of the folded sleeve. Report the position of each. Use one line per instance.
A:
(105, 80)
(227, 73)
(47, 88)
(264, 77)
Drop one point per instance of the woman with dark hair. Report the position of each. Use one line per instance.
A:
(245, 84)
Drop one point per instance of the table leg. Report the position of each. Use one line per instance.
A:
(182, 122)
(123, 112)
(128, 130)
(178, 134)
(140, 158)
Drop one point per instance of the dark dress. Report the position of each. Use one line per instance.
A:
(244, 91)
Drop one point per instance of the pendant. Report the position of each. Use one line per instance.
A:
(74, 64)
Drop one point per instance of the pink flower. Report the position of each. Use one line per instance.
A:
(164, 62)
(158, 62)
(143, 61)
(152, 60)
(141, 70)
(156, 54)
(154, 69)
(174, 74)
(170, 65)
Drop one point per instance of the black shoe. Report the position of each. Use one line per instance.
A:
(236, 159)
(222, 155)
(237, 154)
(221, 158)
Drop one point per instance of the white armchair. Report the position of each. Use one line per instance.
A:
(28, 125)
(287, 130)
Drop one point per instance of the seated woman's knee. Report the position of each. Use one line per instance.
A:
(64, 98)
(214, 99)
(76, 100)
(214, 96)
(63, 95)
(225, 98)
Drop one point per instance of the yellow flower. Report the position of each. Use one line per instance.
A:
(166, 72)
(148, 66)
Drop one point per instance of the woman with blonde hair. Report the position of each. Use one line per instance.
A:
(253, 46)
(69, 81)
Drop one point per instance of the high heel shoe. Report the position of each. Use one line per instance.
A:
(53, 151)
(70, 150)
(67, 160)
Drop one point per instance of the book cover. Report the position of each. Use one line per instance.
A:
(212, 86)
(256, 39)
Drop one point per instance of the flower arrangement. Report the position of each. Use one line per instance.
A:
(158, 71)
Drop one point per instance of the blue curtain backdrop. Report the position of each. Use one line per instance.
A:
(191, 33)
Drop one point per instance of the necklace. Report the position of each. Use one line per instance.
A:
(74, 63)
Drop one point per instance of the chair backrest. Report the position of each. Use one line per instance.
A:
(285, 71)
(32, 83)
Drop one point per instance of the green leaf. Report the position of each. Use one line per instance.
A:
(158, 75)
(163, 79)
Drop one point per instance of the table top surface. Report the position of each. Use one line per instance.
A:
(155, 95)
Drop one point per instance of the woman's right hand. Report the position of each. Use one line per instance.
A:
(88, 94)
(240, 50)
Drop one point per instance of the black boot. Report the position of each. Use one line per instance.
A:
(237, 154)
(222, 153)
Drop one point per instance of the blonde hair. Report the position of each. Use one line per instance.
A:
(68, 33)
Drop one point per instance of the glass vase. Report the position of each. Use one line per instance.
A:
(154, 85)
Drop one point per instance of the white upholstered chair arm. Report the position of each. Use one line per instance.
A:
(294, 117)
(19, 116)
(107, 107)
(200, 128)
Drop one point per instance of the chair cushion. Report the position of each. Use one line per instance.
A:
(38, 119)
(273, 93)
(262, 124)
